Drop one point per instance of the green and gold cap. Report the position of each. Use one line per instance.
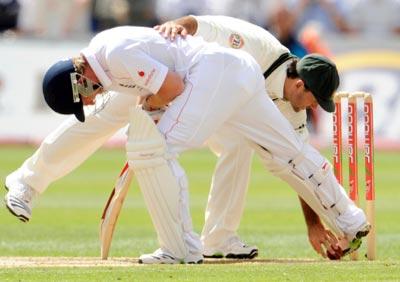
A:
(321, 77)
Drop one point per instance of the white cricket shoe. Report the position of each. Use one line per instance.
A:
(354, 240)
(19, 197)
(233, 248)
(163, 257)
(355, 226)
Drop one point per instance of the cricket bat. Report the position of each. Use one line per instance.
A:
(113, 208)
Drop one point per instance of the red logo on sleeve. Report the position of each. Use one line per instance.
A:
(141, 73)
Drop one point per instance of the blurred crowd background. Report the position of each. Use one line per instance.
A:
(330, 27)
(287, 19)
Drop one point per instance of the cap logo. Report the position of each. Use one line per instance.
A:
(236, 41)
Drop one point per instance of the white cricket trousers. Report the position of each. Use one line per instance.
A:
(73, 142)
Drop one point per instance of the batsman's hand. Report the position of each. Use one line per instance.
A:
(324, 241)
(154, 113)
(171, 30)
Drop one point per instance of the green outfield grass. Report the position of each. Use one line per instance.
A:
(66, 219)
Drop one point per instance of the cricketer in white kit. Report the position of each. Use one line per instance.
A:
(142, 59)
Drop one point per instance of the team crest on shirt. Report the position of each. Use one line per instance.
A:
(236, 41)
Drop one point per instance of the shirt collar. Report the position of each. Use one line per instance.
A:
(96, 67)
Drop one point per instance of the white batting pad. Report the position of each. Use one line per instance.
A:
(146, 149)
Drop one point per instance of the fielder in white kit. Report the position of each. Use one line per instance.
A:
(199, 79)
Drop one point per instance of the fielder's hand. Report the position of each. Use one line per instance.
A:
(324, 242)
(171, 29)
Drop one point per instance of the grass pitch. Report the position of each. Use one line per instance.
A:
(66, 220)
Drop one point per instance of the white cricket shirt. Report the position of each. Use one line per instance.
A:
(135, 60)
(259, 43)
(264, 48)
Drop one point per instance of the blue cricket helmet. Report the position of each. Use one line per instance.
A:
(57, 90)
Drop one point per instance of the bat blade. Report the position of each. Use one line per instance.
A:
(113, 208)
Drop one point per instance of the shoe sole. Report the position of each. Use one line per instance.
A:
(195, 262)
(20, 217)
(190, 262)
(250, 255)
(357, 241)
(216, 255)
